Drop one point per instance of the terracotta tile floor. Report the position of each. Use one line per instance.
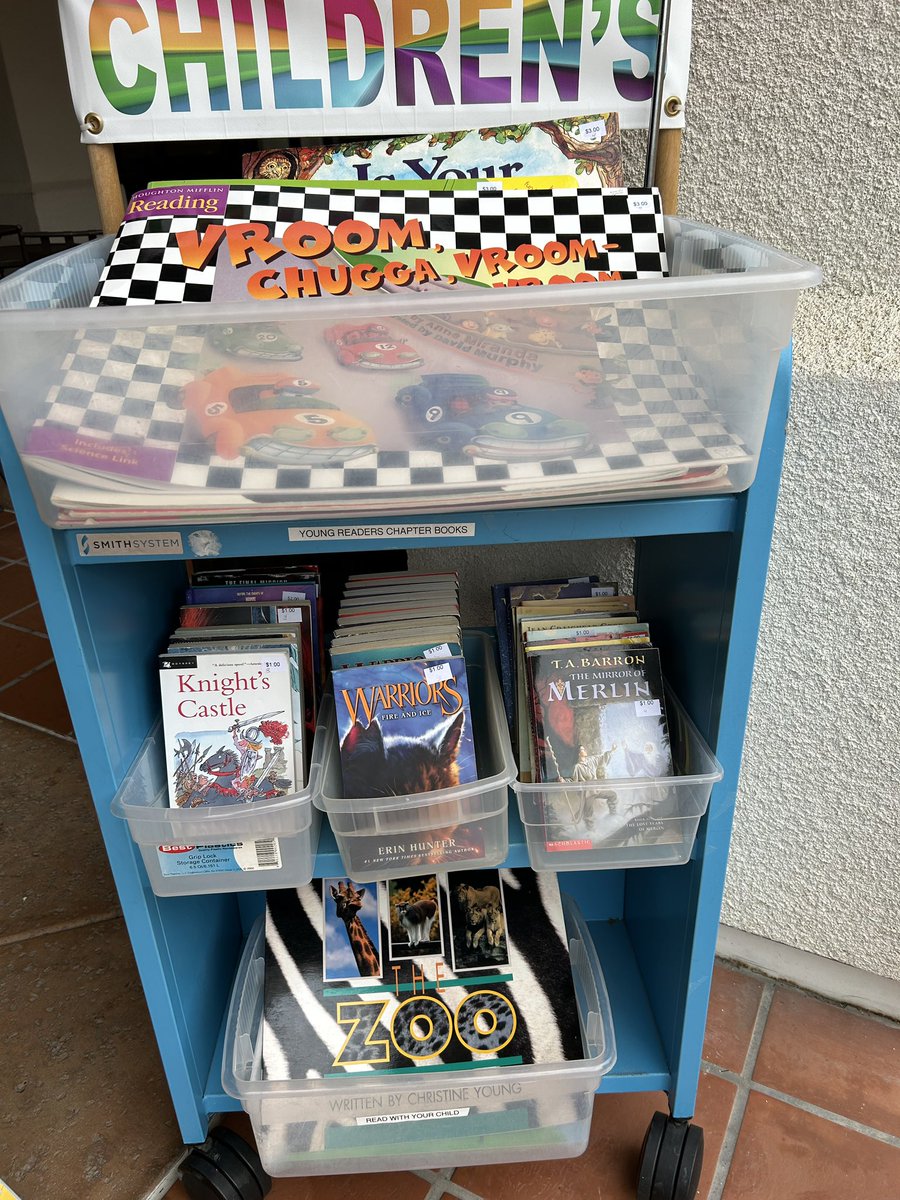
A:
(799, 1098)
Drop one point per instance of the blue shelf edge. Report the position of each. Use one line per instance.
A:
(641, 1062)
(569, 522)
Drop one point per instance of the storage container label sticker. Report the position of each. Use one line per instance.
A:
(114, 545)
(337, 533)
(399, 1118)
(182, 69)
(262, 855)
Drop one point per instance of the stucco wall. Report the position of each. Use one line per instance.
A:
(792, 137)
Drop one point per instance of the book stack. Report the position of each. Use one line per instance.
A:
(585, 697)
(489, 400)
(400, 686)
(239, 683)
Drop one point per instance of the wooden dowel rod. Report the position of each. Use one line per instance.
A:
(107, 187)
(668, 163)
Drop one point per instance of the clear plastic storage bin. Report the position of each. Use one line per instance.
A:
(238, 848)
(623, 822)
(505, 1114)
(450, 399)
(463, 826)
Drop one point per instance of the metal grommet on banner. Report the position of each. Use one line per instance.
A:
(673, 106)
(92, 123)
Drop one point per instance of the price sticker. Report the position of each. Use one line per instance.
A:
(593, 131)
(290, 616)
(442, 651)
(274, 664)
(647, 708)
(640, 204)
(603, 591)
(489, 185)
(438, 672)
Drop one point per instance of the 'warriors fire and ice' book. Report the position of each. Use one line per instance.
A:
(431, 971)
(232, 726)
(404, 727)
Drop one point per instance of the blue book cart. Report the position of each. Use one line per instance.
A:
(699, 578)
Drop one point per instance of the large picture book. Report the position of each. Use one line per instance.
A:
(259, 242)
(589, 146)
(430, 973)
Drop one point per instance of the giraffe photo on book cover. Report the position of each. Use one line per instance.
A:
(352, 943)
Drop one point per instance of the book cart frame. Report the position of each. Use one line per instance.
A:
(699, 578)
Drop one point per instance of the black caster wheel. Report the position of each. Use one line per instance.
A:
(224, 1168)
(671, 1160)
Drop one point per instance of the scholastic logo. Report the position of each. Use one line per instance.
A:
(99, 545)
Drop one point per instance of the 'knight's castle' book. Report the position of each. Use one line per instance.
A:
(232, 726)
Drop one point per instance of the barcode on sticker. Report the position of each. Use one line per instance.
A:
(438, 672)
(647, 708)
(267, 853)
(640, 204)
(593, 131)
(442, 651)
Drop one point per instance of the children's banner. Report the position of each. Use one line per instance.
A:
(176, 69)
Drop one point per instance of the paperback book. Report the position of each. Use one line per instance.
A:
(598, 715)
(229, 726)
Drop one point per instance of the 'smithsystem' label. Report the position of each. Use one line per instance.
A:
(349, 533)
(112, 545)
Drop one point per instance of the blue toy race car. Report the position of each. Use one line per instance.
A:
(463, 413)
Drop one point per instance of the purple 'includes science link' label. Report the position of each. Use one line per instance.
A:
(192, 200)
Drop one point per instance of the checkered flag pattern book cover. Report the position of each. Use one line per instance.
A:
(163, 256)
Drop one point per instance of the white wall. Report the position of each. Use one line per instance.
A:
(792, 137)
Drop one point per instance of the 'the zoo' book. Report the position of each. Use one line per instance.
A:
(431, 972)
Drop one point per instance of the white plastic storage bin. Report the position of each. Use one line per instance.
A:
(505, 1114)
(446, 400)
(623, 822)
(463, 826)
(240, 848)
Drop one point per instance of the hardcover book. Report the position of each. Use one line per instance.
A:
(435, 971)
(229, 726)
(589, 146)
